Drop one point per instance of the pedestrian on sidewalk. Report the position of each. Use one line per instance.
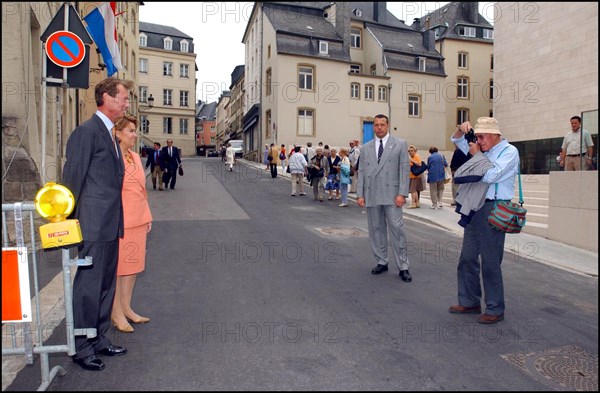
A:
(282, 158)
(172, 161)
(436, 175)
(353, 155)
(156, 164)
(480, 240)
(297, 164)
(345, 179)
(333, 179)
(274, 161)
(382, 188)
(416, 181)
(266, 157)
(229, 157)
(318, 170)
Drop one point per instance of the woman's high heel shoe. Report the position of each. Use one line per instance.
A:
(139, 320)
(127, 328)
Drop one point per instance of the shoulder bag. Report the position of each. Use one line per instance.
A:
(418, 170)
(447, 175)
(507, 216)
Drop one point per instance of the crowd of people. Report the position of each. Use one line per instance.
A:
(333, 174)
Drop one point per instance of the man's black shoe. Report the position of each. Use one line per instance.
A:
(91, 363)
(379, 269)
(113, 350)
(405, 276)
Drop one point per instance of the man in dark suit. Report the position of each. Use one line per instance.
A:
(156, 164)
(383, 185)
(172, 161)
(94, 173)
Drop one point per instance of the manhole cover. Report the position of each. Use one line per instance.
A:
(565, 368)
(345, 232)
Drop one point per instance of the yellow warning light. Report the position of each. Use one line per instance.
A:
(55, 202)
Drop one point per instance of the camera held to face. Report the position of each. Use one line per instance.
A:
(470, 136)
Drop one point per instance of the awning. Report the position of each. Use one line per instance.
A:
(248, 125)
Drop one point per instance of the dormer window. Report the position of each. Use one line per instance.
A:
(143, 39)
(422, 64)
(324, 47)
(168, 43)
(184, 46)
(466, 31)
(488, 33)
(357, 12)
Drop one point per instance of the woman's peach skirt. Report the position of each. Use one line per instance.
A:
(132, 251)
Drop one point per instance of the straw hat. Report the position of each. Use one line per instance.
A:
(487, 125)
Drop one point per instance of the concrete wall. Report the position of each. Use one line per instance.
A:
(545, 66)
(573, 212)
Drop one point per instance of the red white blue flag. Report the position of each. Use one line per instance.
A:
(102, 27)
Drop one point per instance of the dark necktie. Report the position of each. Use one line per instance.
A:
(156, 156)
(380, 151)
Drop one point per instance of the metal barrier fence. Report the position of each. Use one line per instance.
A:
(18, 335)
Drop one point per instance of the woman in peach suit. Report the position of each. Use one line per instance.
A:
(138, 222)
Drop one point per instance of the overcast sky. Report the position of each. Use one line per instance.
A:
(217, 29)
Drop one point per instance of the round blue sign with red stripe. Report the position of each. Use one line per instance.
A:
(65, 49)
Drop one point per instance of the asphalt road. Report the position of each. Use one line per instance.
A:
(249, 288)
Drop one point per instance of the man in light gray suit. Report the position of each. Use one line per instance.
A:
(383, 185)
(94, 173)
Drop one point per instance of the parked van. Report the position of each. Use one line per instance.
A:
(238, 147)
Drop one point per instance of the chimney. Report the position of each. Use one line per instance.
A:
(429, 40)
(416, 24)
(379, 11)
(342, 23)
(472, 11)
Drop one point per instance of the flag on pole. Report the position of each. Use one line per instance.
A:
(102, 27)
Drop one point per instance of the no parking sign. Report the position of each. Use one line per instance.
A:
(65, 49)
(66, 44)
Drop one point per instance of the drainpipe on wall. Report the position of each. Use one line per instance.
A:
(390, 104)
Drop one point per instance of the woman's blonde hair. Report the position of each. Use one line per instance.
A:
(122, 121)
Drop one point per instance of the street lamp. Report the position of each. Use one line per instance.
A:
(150, 100)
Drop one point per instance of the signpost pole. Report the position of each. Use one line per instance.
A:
(44, 113)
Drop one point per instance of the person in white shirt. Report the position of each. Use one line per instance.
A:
(353, 155)
(480, 239)
(229, 157)
(573, 157)
(297, 164)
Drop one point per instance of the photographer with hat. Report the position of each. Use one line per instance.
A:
(500, 161)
